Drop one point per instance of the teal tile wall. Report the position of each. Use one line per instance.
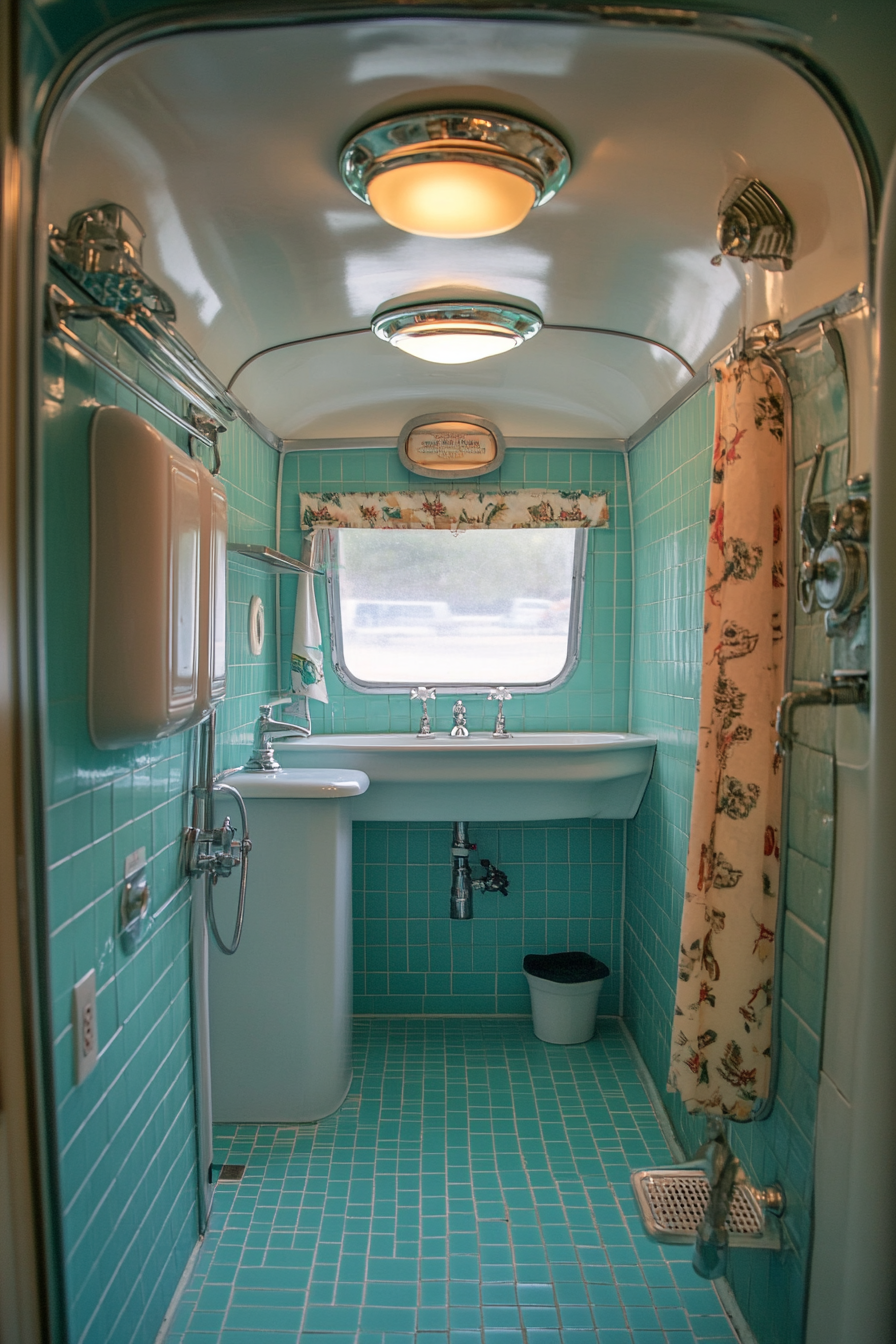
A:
(670, 479)
(565, 892)
(566, 877)
(594, 697)
(126, 1137)
(670, 497)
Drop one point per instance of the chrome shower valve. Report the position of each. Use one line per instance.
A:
(834, 571)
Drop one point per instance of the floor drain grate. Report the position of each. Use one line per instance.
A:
(231, 1171)
(672, 1201)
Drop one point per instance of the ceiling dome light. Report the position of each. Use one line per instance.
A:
(454, 173)
(456, 333)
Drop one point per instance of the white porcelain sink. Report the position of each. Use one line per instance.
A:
(528, 777)
(300, 783)
(280, 1011)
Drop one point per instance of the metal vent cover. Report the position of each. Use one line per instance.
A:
(672, 1201)
(232, 1171)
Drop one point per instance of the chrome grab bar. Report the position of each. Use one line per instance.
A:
(58, 305)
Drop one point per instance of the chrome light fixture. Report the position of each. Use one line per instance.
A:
(454, 172)
(456, 332)
(755, 226)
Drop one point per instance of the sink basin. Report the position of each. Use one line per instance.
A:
(528, 777)
(301, 783)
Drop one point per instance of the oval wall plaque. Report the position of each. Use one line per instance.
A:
(452, 447)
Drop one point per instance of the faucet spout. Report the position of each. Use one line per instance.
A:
(266, 731)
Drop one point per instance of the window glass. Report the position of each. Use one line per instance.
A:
(478, 608)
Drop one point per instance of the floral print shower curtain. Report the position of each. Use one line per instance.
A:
(721, 1036)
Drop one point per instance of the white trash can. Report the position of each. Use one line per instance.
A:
(565, 988)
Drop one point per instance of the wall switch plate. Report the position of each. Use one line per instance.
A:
(84, 1025)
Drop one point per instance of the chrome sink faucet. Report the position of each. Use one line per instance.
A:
(424, 693)
(266, 730)
(460, 728)
(500, 693)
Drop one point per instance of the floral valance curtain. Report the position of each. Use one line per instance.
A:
(454, 510)
(722, 1030)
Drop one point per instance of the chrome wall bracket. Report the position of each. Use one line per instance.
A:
(843, 687)
(99, 254)
(102, 250)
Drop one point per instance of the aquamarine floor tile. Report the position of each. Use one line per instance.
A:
(470, 1128)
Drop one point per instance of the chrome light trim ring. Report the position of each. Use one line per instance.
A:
(462, 134)
(519, 322)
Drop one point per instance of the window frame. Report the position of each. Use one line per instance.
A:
(573, 645)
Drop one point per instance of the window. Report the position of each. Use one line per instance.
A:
(476, 609)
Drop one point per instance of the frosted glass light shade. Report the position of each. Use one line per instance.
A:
(444, 346)
(451, 199)
(456, 332)
(454, 172)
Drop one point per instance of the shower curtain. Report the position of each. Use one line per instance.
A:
(721, 1036)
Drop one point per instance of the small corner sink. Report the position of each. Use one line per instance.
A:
(300, 783)
(527, 777)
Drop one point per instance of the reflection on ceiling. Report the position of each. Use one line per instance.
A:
(225, 144)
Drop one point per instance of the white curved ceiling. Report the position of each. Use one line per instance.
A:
(225, 145)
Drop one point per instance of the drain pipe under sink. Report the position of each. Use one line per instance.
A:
(462, 883)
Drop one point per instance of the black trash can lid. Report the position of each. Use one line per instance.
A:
(565, 968)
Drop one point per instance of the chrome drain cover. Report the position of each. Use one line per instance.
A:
(672, 1202)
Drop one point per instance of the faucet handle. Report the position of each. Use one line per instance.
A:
(424, 693)
(460, 729)
(500, 693)
(265, 710)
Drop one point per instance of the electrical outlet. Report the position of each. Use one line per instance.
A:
(84, 1027)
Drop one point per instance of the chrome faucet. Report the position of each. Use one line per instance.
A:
(500, 693)
(266, 730)
(424, 693)
(724, 1173)
(840, 688)
(460, 728)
